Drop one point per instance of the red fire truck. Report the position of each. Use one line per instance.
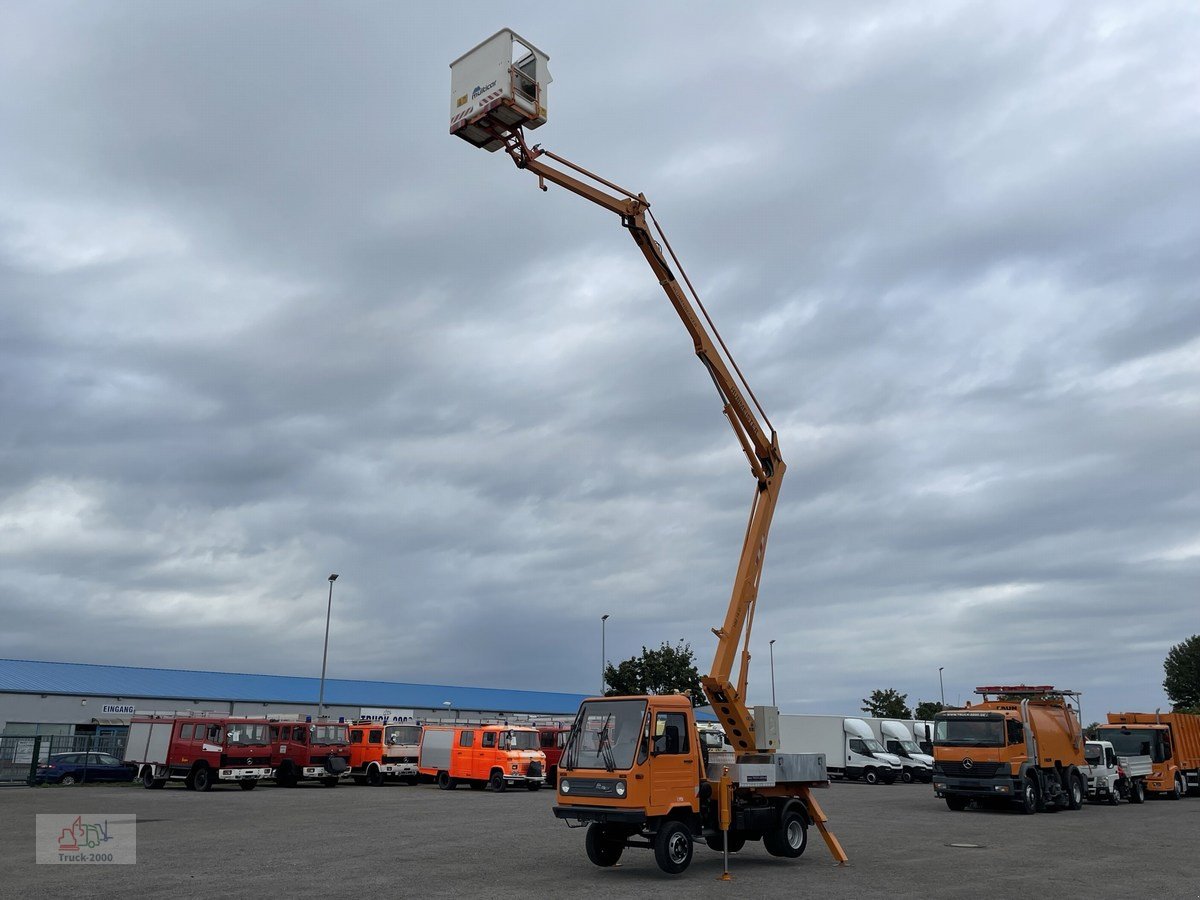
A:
(309, 751)
(199, 749)
(552, 739)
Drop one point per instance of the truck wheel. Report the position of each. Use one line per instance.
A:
(673, 847)
(907, 776)
(1114, 795)
(534, 785)
(286, 776)
(1179, 789)
(443, 781)
(410, 780)
(497, 782)
(602, 849)
(737, 841)
(1029, 798)
(956, 804)
(202, 778)
(248, 784)
(1077, 793)
(374, 776)
(1137, 792)
(790, 838)
(871, 776)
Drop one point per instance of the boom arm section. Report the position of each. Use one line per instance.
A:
(757, 438)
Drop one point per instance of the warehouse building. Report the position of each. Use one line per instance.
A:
(65, 699)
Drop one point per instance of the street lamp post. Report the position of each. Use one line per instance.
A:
(325, 652)
(941, 687)
(603, 656)
(772, 646)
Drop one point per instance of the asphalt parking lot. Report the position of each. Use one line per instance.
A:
(422, 842)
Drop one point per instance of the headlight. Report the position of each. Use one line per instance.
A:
(565, 786)
(514, 767)
(620, 789)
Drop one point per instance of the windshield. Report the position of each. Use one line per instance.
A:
(906, 746)
(519, 740)
(1133, 741)
(605, 735)
(969, 732)
(247, 735)
(330, 734)
(873, 745)
(402, 734)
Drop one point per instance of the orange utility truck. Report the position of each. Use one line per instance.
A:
(1171, 740)
(1021, 745)
(481, 755)
(634, 769)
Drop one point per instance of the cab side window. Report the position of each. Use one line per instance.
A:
(488, 740)
(466, 739)
(356, 736)
(1015, 731)
(857, 746)
(546, 738)
(376, 736)
(299, 733)
(670, 733)
(214, 733)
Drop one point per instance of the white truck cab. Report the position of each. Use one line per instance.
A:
(1111, 778)
(865, 756)
(897, 739)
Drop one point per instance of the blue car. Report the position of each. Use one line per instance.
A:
(70, 768)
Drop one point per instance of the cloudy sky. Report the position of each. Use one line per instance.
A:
(263, 319)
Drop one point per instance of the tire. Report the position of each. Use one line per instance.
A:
(907, 776)
(1076, 793)
(497, 782)
(1179, 790)
(68, 780)
(445, 782)
(248, 784)
(148, 778)
(286, 776)
(1137, 792)
(410, 780)
(871, 776)
(956, 804)
(673, 847)
(534, 786)
(1114, 796)
(1028, 802)
(202, 778)
(602, 849)
(790, 839)
(374, 776)
(737, 841)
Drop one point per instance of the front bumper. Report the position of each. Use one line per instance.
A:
(1001, 786)
(399, 769)
(244, 774)
(601, 814)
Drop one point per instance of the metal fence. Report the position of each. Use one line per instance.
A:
(19, 755)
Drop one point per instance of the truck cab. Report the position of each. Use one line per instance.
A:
(552, 739)
(897, 740)
(309, 751)
(1112, 778)
(379, 751)
(865, 756)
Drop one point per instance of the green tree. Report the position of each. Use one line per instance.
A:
(887, 704)
(1091, 731)
(927, 709)
(1182, 667)
(665, 670)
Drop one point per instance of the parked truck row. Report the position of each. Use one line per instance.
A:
(877, 751)
(1024, 745)
(202, 750)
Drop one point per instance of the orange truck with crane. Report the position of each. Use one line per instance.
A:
(634, 769)
(1171, 740)
(1020, 745)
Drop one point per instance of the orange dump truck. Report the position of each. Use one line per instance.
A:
(1021, 745)
(1171, 740)
(482, 755)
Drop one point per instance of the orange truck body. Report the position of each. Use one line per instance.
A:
(1025, 747)
(501, 756)
(1171, 740)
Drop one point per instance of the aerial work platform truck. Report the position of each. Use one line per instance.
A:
(634, 770)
